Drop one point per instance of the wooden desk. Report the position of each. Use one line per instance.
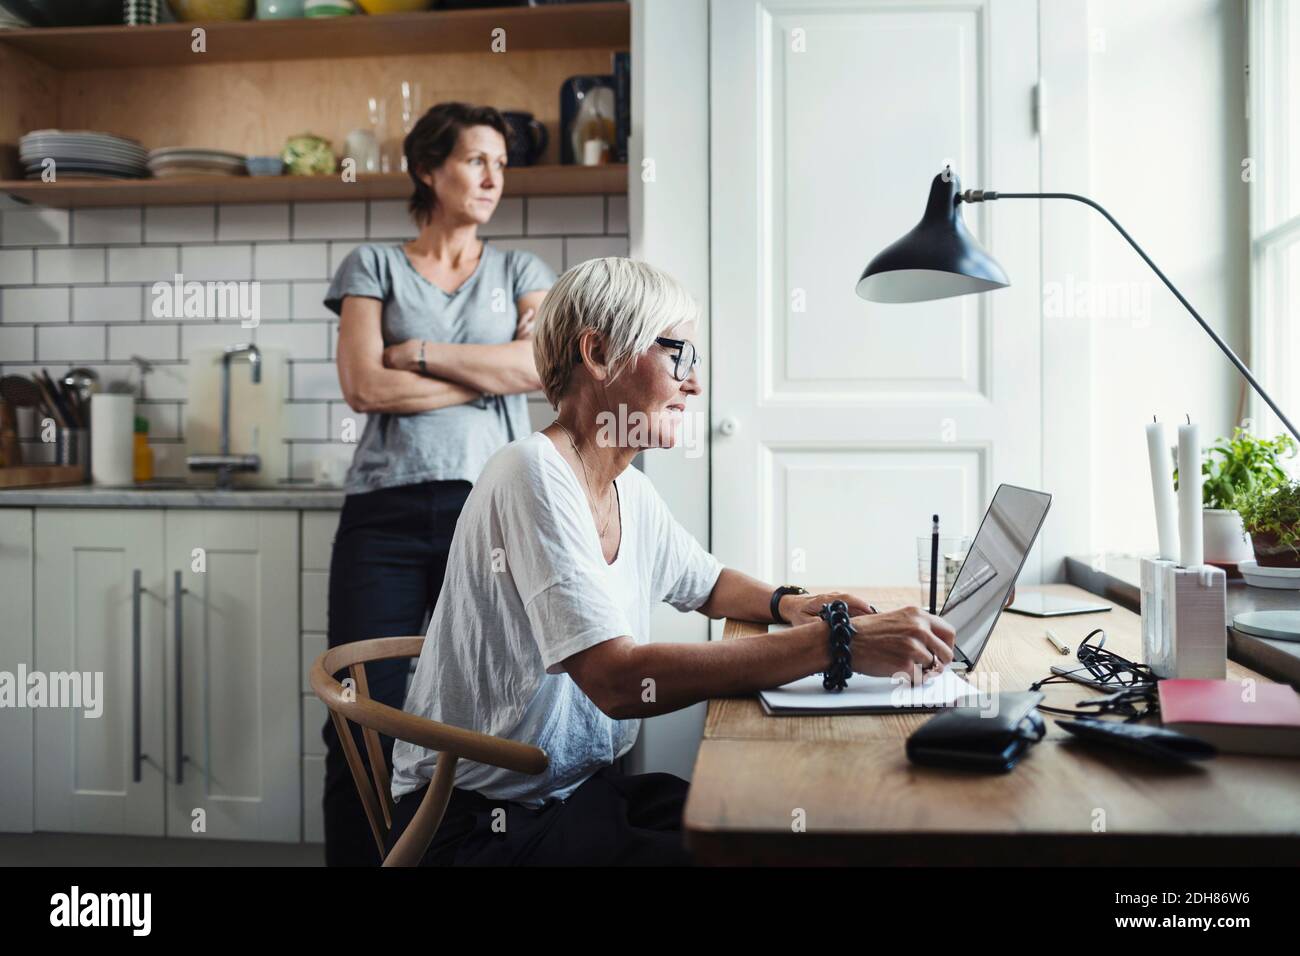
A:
(1066, 803)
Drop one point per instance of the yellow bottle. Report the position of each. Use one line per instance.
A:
(143, 454)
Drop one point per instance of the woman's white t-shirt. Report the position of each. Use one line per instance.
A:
(526, 587)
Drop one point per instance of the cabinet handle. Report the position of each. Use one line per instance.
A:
(178, 619)
(136, 756)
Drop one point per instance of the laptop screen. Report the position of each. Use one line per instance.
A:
(994, 561)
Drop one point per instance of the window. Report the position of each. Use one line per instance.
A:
(1273, 170)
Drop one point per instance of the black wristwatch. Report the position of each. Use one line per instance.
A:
(779, 593)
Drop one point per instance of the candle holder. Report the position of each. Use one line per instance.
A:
(1184, 620)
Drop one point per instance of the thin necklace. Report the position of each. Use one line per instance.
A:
(591, 498)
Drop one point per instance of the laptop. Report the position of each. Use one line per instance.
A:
(974, 603)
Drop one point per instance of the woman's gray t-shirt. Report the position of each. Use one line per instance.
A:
(443, 444)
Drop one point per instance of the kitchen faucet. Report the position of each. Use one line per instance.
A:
(225, 464)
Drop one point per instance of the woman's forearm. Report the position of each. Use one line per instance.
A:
(404, 393)
(506, 369)
(660, 678)
(737, 595)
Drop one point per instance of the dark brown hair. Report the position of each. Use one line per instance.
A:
(432, 140)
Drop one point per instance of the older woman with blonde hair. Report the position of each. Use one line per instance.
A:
(541, 631)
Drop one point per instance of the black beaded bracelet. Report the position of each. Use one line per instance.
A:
(836, 614)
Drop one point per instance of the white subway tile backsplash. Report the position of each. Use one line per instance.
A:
(290, 252)
(338, 252)
(33, 305)
(389, 219)
(566, 215)
(508, 220)
(180, 223)
(61, 266)
(16, 266)
(305, 260)
(304, 457)
(69, 343)
(153, 341)
(595, 247)
(169, 459)
(309, 301)
(315, 380)
(616, 215)
(329, 220)
(143, 264)
(306, 421)
(550, 250)
(108, 303)
(34, 227)
(164, 382)
(253, 221)
(17, 344)
(274, 299)
(345, 424)
(97, 227)
(164, 418)
(216, 335)
(303, 340)
(204, 263)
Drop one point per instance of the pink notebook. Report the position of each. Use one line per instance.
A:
(1258, 718)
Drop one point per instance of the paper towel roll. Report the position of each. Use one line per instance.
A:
(112, 426)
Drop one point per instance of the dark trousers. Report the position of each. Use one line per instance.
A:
(390, 554)
(613, 819)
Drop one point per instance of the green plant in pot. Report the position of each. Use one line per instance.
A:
(1272, 516)
(1232, 470)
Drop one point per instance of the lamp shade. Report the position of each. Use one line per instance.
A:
(939, 258)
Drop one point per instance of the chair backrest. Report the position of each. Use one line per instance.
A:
(353, 703)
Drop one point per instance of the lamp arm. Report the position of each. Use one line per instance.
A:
(985, 195)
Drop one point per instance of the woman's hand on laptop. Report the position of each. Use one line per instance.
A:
(908, 641)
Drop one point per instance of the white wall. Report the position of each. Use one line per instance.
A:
(1168, 136)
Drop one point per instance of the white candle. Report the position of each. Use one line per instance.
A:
(1162, 490)
(1190, 519)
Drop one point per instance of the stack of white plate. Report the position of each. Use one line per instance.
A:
(189, 161)
(1258, 576)
(81, 154)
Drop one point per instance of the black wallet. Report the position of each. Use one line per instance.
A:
(980, 738)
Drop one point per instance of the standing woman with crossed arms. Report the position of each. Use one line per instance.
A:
(434, 348)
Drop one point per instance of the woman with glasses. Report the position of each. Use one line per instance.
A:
(541, 632)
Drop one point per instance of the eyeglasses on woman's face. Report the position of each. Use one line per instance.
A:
(686, 359)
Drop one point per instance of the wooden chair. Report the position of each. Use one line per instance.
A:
(452, 743)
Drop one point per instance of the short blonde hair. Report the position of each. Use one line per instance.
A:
(628, 302)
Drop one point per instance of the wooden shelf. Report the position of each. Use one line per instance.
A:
(559, 27)
(81, 193)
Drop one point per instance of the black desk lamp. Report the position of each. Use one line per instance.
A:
(940, 258)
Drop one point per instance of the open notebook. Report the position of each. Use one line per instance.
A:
(867, 695)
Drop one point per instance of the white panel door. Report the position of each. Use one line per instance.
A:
(92, 612)
(235, 738)
(841, 425)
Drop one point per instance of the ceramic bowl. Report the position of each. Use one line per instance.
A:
(210, 10)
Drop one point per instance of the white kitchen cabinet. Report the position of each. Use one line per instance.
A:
(17, 653)
(99, 586)
(233, 741)
(213, 705)
(318, 530)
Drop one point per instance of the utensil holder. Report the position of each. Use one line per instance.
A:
(72, 447)
(1184, 620)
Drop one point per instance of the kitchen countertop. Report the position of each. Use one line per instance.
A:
(176, 495)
